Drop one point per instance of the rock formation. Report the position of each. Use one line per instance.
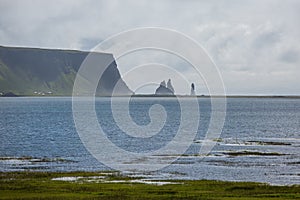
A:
(165, 89)
(193, 93)
(169, 86)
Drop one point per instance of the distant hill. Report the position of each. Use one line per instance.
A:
(32, 71)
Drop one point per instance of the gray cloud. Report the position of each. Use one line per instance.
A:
(255, 43)
(290, 56)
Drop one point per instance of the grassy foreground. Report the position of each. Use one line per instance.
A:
(40, 185)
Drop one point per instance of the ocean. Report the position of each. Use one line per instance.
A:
(260, 139)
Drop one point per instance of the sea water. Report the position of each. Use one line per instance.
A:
(260, 140)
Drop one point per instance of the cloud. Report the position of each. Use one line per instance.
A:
(290, 56)
(254, 43)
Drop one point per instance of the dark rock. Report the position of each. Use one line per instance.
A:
(193, 93)
(170, 86)
(9, 94)
(164, 89)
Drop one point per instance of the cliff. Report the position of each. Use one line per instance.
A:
(32, 71)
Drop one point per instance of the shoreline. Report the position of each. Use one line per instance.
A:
(168, 96)
(113, 185)
(65, 175)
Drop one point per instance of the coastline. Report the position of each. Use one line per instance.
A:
(172, 96)
(112, 185)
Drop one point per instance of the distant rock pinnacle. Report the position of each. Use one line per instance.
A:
(165, 89)
(193, 89)
(163, 84)
(169, 86)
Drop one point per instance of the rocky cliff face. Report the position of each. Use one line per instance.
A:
(31, 71)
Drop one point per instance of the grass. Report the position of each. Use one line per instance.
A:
(39, 185)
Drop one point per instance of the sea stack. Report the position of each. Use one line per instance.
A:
(193, 89)
(165, 89)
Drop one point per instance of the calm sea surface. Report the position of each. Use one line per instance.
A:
(260, 140)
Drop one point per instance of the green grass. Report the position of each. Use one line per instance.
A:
(38, 185)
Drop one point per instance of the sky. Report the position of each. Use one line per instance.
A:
(254, 43)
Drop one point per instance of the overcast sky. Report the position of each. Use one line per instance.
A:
(254, 43)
